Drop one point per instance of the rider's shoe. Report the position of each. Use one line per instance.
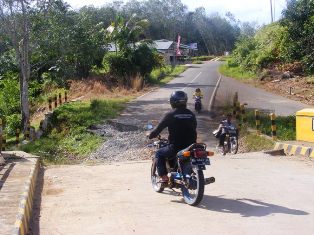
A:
(164, 179)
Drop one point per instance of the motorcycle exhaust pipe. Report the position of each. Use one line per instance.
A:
(210, 180)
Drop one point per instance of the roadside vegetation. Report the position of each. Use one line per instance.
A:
(67, 139)
(279, 55)
(165, 74)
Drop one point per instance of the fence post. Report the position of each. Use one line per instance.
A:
(235, 100)
(50, 103)
(273, 126)
(65, 96)
(17, 137)
(56, 101)
(4, 141)
(257, 122)
(60, 99)
(1, 131)
(27, 132)
(33, 133)
(243, 113)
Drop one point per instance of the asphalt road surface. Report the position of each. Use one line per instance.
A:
(253, 193)
(153, 105)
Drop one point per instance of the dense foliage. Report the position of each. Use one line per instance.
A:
(288, 41)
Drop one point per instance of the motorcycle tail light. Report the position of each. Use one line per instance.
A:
(200, 153)
(186, 154)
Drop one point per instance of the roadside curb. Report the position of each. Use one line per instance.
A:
(24, 215)
(296, 150)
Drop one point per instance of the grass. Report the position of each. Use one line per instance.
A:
(165, 74)
(236, 72)
(254, 143)
(67, 140)
(197, 62)
(310, 80)
(202, 58)
(286, 126)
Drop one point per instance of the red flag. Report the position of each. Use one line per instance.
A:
(178, 45)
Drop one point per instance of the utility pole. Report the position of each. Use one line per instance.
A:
(271, 11)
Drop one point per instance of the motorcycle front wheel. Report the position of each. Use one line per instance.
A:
(155, 178)
(234, 145)
(193, 196)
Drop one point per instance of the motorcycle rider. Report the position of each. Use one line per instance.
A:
(198, 93)
(225, 123)
(181, 124)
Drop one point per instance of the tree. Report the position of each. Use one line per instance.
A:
(15, 22)
(298, 19)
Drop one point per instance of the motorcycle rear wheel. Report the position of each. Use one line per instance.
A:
(194, 197)
(155, 178)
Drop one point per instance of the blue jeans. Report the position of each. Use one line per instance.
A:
(162, 155)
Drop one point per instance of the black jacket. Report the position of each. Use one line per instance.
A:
(181, 125)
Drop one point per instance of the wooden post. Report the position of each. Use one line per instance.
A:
(273, 126)
(1, 137)
(235, 100)
(17, 137)
(4, 141)
(50, 103)
(257, 122)
(60, 99)
(27, 132)
(56, 101)
(65, 96)
(243, 113)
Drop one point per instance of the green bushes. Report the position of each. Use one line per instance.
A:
(258, 52)
(287, 41)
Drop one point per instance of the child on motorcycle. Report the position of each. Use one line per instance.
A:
(198, 93)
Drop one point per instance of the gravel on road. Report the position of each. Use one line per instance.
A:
(125, 141)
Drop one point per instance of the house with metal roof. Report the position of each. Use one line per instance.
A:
(169, 50)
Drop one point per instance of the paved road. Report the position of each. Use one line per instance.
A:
(257, 98)
(253, 194)
(154, 105)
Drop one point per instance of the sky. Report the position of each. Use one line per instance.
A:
(244, 10)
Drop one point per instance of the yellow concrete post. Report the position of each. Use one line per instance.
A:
(273, 126)
(257, 122)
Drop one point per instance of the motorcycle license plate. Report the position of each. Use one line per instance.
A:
(200, 161)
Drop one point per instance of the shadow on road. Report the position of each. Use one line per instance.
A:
(35, 220)
(245, 207)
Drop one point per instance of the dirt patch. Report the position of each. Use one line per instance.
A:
(297, 88)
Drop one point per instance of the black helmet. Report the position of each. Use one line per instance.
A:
(178, 99)
(198, 90)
